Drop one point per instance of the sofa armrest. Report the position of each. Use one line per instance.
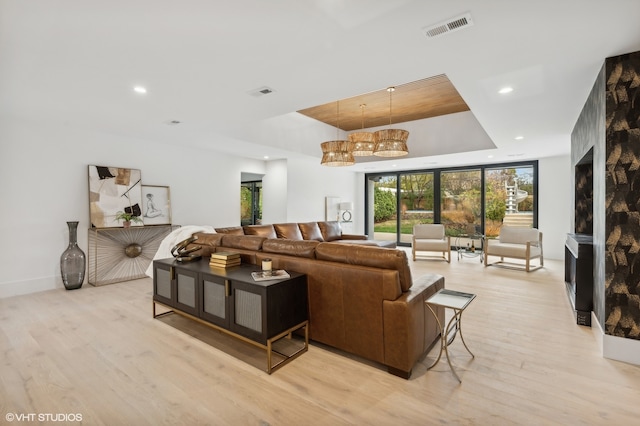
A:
(410, 328)
(353, 237)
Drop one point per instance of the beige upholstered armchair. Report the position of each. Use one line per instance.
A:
(431, 238)
(518, 243)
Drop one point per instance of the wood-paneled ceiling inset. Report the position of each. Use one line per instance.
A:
(429, 97)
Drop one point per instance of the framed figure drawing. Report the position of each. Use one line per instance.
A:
(156, 205)
(113, 190)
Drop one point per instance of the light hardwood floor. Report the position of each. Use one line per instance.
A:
(99, 353)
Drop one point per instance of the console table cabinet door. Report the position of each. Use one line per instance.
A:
(248, 303)
(163, 285)
(186, 297)
(214, 307)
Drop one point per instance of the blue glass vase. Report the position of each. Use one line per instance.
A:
(72, 261)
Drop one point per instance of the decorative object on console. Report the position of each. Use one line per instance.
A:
(278, 274)
(182, 254)
(391, 142)
(72, 261)
(267, 266)
(122, 254)
(113, 189)
(156, 208)
(346, 209)
(224, 259)
(127, 218)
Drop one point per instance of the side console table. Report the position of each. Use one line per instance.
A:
(458, 302)
(229, 300)
(123, 254)
(477, 242)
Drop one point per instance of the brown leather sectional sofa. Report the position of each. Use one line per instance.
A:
(312, 231)
(362, 298)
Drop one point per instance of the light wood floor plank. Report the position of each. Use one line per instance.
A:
(98, 351)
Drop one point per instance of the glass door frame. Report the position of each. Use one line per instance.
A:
(370, 177)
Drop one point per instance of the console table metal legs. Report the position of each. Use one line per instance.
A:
(271, 367)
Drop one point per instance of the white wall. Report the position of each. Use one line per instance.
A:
(309, 183)
(43, 170)
(554, 204)
(275, 192)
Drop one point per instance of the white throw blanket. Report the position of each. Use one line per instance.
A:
(180, 234)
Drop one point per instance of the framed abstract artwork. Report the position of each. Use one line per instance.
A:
(156, 205)
(113, 190)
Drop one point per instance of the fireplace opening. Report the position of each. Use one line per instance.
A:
(584, 195)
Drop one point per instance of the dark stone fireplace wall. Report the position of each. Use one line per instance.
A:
(610, 123)
(589, 133)
(622, 203)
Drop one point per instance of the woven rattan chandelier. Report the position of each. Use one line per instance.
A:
(363, 142)
(337, 153)
(391, 142)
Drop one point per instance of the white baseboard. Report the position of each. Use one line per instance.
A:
(616, 348)
(17, 288)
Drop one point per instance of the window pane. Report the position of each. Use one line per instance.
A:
(508, 198)
(250, 203)
(385, 208)
(416, 202)
(460, 202)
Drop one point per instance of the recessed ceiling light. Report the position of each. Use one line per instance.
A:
(519, 138)
(140, 89)
(505, 90)
(489, 156)
(266, 157)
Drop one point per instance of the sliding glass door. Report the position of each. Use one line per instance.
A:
(385, 207)
(461, 202)
(471, 200)
(509, 198)
(416, 202)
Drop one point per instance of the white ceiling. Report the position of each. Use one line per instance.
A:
(76, 62)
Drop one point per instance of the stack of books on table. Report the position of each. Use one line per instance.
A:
(224, 259)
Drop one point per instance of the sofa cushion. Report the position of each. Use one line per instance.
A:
(266, 231)
(377, 243)
(517, 235)
(289, 231)
(376, 257)
(235, 230)
(429, 231)
(512, 250)
(248, 242)
(206, 243)
(208, 239)
(299, 248)
(330, 230)
(310, 231)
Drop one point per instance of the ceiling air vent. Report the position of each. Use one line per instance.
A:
(454, 24)
(261, 91)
